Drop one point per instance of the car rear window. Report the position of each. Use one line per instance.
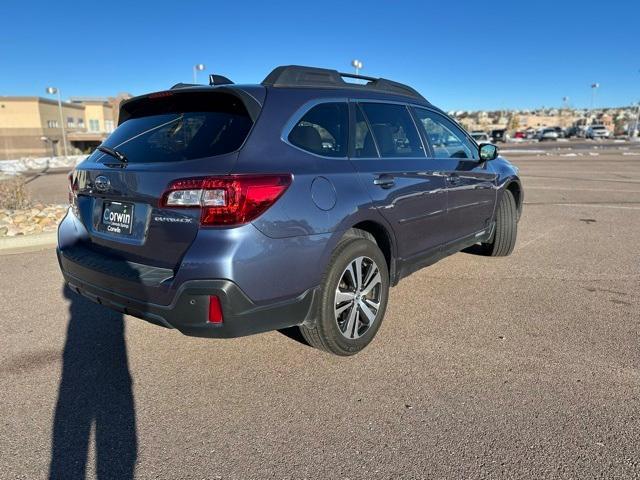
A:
(181, 127)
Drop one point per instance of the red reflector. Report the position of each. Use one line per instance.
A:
(215, 310)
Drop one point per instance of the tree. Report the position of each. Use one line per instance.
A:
(513, 123)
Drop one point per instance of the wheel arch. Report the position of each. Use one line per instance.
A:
(385, 241)
(515, 188)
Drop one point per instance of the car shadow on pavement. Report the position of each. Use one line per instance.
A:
(294, 334)
(95, 394)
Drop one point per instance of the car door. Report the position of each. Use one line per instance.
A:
(471, 184)
(406, 187)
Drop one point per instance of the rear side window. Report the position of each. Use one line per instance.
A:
(181, 127)
(446, 139)
(394, 130)
(323, 130)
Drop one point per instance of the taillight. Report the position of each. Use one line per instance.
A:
(227, 200)
(73, 192)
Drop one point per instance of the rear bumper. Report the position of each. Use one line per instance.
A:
(188, 311)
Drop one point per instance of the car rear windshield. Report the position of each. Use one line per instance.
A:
(178, 127)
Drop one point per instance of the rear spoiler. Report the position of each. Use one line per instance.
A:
(252, 104)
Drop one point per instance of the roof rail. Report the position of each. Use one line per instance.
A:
(299, 76)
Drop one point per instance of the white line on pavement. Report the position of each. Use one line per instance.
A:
(529, 187)
(594, 205)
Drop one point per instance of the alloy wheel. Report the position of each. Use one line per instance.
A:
(357, 299)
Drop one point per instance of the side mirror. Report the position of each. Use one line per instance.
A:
(488, 152)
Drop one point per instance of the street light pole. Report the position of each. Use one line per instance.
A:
(55, 91)
(594, 86)
(198, 67)
(636, 130)
(357, 64)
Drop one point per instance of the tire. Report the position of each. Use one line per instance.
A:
(341, 326)
(506, 229)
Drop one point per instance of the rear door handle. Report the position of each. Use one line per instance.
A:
(384, 181)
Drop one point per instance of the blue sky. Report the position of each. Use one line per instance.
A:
(459, 54)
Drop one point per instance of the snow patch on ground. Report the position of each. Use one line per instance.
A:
(13, 167)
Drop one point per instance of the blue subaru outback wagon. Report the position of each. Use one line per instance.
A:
(226, 210)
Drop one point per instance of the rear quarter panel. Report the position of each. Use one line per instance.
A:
(305, 209)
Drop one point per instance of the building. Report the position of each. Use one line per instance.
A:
(617, 120)
(99, 122)
(540, 119)
(31, 126)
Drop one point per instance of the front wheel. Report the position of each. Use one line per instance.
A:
(353, 297)
(506, 228)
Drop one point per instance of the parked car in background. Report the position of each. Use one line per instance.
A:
(598, 131)
(227, 210)
(499, 135)
(571, 132)
(560, 131)
(547, 134)
(520, 135)
(480, 137)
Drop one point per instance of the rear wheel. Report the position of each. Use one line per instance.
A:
(353, 297)
(506, 229)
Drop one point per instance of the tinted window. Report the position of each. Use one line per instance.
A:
(323, 130)
(364, 145)
(446, 139)
(181, 127)
(393, 129)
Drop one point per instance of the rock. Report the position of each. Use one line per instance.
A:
(39, 218)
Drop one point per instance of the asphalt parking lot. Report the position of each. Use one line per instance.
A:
(521, 367)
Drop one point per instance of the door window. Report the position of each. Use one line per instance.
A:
(323, 130)
(446, 139)
(393, 129)
(364, 144)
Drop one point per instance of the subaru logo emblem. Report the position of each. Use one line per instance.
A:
(102, 183)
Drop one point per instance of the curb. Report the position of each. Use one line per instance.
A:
(24, 243)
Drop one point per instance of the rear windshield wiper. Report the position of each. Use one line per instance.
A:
(113, 153)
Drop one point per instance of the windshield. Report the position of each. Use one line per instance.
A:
(176, 130)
